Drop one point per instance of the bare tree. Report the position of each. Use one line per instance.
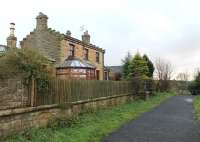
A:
(164, 69)
(195, 73)
(183, 76)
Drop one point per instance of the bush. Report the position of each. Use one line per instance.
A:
(163, 85)
(142, 85)
(194, 86)
(26, 64)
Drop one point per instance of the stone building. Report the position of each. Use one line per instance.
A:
(115, 72)
(73, 58)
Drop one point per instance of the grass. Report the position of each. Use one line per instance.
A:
(197, 106)
(91, 126)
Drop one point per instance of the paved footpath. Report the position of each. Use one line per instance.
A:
(172, 121)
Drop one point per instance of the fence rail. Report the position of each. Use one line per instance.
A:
(13, 94)
(62, 91)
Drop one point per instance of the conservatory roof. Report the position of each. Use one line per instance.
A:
(76, 63)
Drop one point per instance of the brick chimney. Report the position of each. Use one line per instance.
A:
(12, 40)
(86, 37)
(41, 20)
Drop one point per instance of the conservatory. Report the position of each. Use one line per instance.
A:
(73, 68)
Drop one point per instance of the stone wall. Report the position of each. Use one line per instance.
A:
(12, 94)
(46, 42)
(16, 120)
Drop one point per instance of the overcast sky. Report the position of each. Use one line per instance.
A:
(168, 29)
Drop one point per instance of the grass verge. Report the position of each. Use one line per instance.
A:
(197, 107)
(91, 126)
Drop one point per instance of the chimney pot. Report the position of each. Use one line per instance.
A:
(68, 33)
(12, 40)
(86, 37)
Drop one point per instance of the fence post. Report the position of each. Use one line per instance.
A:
(32, 92)
(146, 89)
(147, 95)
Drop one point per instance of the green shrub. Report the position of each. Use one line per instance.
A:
(194, 86)
(197, 106)
(26, 64)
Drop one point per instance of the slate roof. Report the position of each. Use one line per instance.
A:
(76, 63)
(62, 36)
(3, 48)
(69, 38)
(52, 53)
(115, 69)
(74, 40)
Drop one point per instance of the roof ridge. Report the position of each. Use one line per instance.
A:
(85, 44)
(56, 33)
(28, 35)
(62, 35)
(3, 45)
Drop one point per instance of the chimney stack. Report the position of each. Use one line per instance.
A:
(41, 20)
(68, 33)
(12, 40)
(86, 37)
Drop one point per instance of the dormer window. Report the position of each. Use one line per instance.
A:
(71, 50)
(86, 53)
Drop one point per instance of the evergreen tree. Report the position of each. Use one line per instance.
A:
(125, 66)
(150, 65)
(138, 67)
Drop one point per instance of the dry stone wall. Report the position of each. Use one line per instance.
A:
(16, 120)
(12, 94)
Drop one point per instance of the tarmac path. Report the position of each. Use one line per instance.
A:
(173, 121)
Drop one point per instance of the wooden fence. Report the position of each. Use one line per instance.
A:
(63, 91)
(13, 94)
